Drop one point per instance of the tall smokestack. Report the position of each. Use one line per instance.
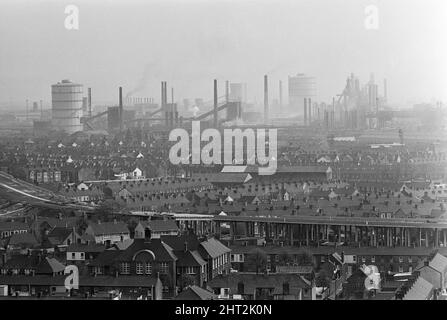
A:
(305, 111)
(266, 100)
(385, 90)
(215, 103)
(121, 107)
(165, 103)
(333, 113)
(227, 91)
(310, 110)
(89, 102)
(280, 95)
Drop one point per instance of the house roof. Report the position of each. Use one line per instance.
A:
(107, 228)
(89, 281)
(45, 265)
(161, 250)
(60, 234)
(327, 250)
(230, 178)
(178, 242)
(27, 239)
(420, 290)
(214, 247)
(252, 281)
(86, 248)
(189, 258)
(13, 225)
(105, 258)
(195, 293)
(160, 225)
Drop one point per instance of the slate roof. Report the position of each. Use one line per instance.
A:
(160, 225)
(107, 228)
(178, 242)
(45, 265)
(98, 281)
(420, 290)
(26, 239)
(252, 281)
(13, 225)
(59, 234)
(162, 251)
(214, 247)
(195, 293)
(105, 258)
(189, 259)
(230, 178)
(86, 248)
(327, 250)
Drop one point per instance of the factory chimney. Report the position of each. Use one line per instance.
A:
(121, 107)
(266, 100)
(227, 91)
(385, 90)
(333, 113)
(215, 103)
(310, 110)
(89, 102)
(305, 111)
(280, 95)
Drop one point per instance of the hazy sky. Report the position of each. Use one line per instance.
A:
(189, 43)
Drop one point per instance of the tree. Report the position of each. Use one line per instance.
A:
(305, 258)
(106, 208)
(322, 279)
(284, 258)
(258, 258)
(186, 280)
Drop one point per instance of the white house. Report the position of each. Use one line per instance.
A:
(108, 232)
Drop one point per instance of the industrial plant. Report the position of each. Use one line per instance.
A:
(242, 153)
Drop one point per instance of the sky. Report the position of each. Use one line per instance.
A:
(137, 44)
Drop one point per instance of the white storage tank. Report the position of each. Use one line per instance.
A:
(67, 106)
(301, 86)
(3, 290)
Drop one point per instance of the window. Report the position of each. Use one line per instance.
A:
(163, 267)
(373, 259)
(401, 269)
(139, 268)
(354, 258)
(98, 270)
(125, 268)
(148, 268)
(73, 255)
(363, 259)
(410, 259)
(240, 288)
(285, 288)
(189, 270)
(401, 259)
(323, 259)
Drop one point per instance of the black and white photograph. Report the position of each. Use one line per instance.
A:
(249, 153)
